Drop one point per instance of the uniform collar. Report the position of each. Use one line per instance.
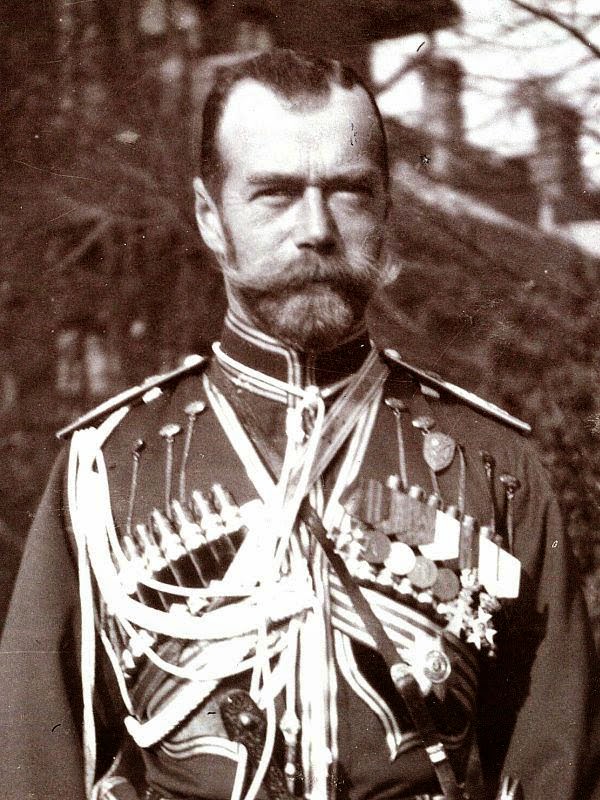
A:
(253, 349)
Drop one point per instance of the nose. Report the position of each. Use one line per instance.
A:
(315, 228)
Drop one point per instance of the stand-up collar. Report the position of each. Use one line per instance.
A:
(250, 347)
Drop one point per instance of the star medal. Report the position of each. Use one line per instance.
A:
(438, 450)
(480, 630)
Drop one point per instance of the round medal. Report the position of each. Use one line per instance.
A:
(423, 574)
(446, 586)
(401, 559)
(375, 547)
(438, 450)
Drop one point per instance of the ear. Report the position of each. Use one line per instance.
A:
(209, 220)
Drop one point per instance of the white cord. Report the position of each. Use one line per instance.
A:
(240, 774)
(80, 448)
(262, 659)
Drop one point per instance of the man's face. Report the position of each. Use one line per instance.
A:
(302, 207)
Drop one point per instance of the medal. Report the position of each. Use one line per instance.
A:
(446, 586)
(376, 547)
(423, 575)
(468, 554)
(401, 559)
(438, 450)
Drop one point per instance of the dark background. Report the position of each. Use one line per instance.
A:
(103, 278)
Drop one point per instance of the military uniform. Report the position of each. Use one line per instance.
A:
(504, 661)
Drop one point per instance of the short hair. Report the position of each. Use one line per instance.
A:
(292, 75)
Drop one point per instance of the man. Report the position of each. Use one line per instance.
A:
(195, 561)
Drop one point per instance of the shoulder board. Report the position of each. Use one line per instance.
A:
(470, 399)
(136, 393)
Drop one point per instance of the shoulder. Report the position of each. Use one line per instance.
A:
(143, 394)
(449, 393)
(495, 448)
(484, 431)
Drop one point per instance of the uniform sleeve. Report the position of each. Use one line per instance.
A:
(545, 684)
(40, 749)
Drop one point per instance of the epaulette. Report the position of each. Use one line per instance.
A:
(134, 394)
(434, 381)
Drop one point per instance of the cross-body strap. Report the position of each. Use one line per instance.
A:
(403, 680)
(405, 683)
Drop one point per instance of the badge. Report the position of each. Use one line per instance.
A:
(438, 450)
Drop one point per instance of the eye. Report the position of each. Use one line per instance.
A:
(359, 190)
(276, 193)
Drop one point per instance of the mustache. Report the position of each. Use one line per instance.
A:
(360, 271)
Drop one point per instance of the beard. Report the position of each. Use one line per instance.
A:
(312, 302)
(317, 316)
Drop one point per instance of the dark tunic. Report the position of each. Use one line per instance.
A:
(536, 700)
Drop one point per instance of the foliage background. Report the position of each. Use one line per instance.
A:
(103, 279)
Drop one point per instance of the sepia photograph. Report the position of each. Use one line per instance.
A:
(300, 400)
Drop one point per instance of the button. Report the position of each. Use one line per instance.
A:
(437, 666)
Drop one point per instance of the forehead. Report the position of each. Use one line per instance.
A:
(261, 131)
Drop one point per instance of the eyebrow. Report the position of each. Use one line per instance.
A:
(351, 177)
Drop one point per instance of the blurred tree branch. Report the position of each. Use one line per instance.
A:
(556, 20)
